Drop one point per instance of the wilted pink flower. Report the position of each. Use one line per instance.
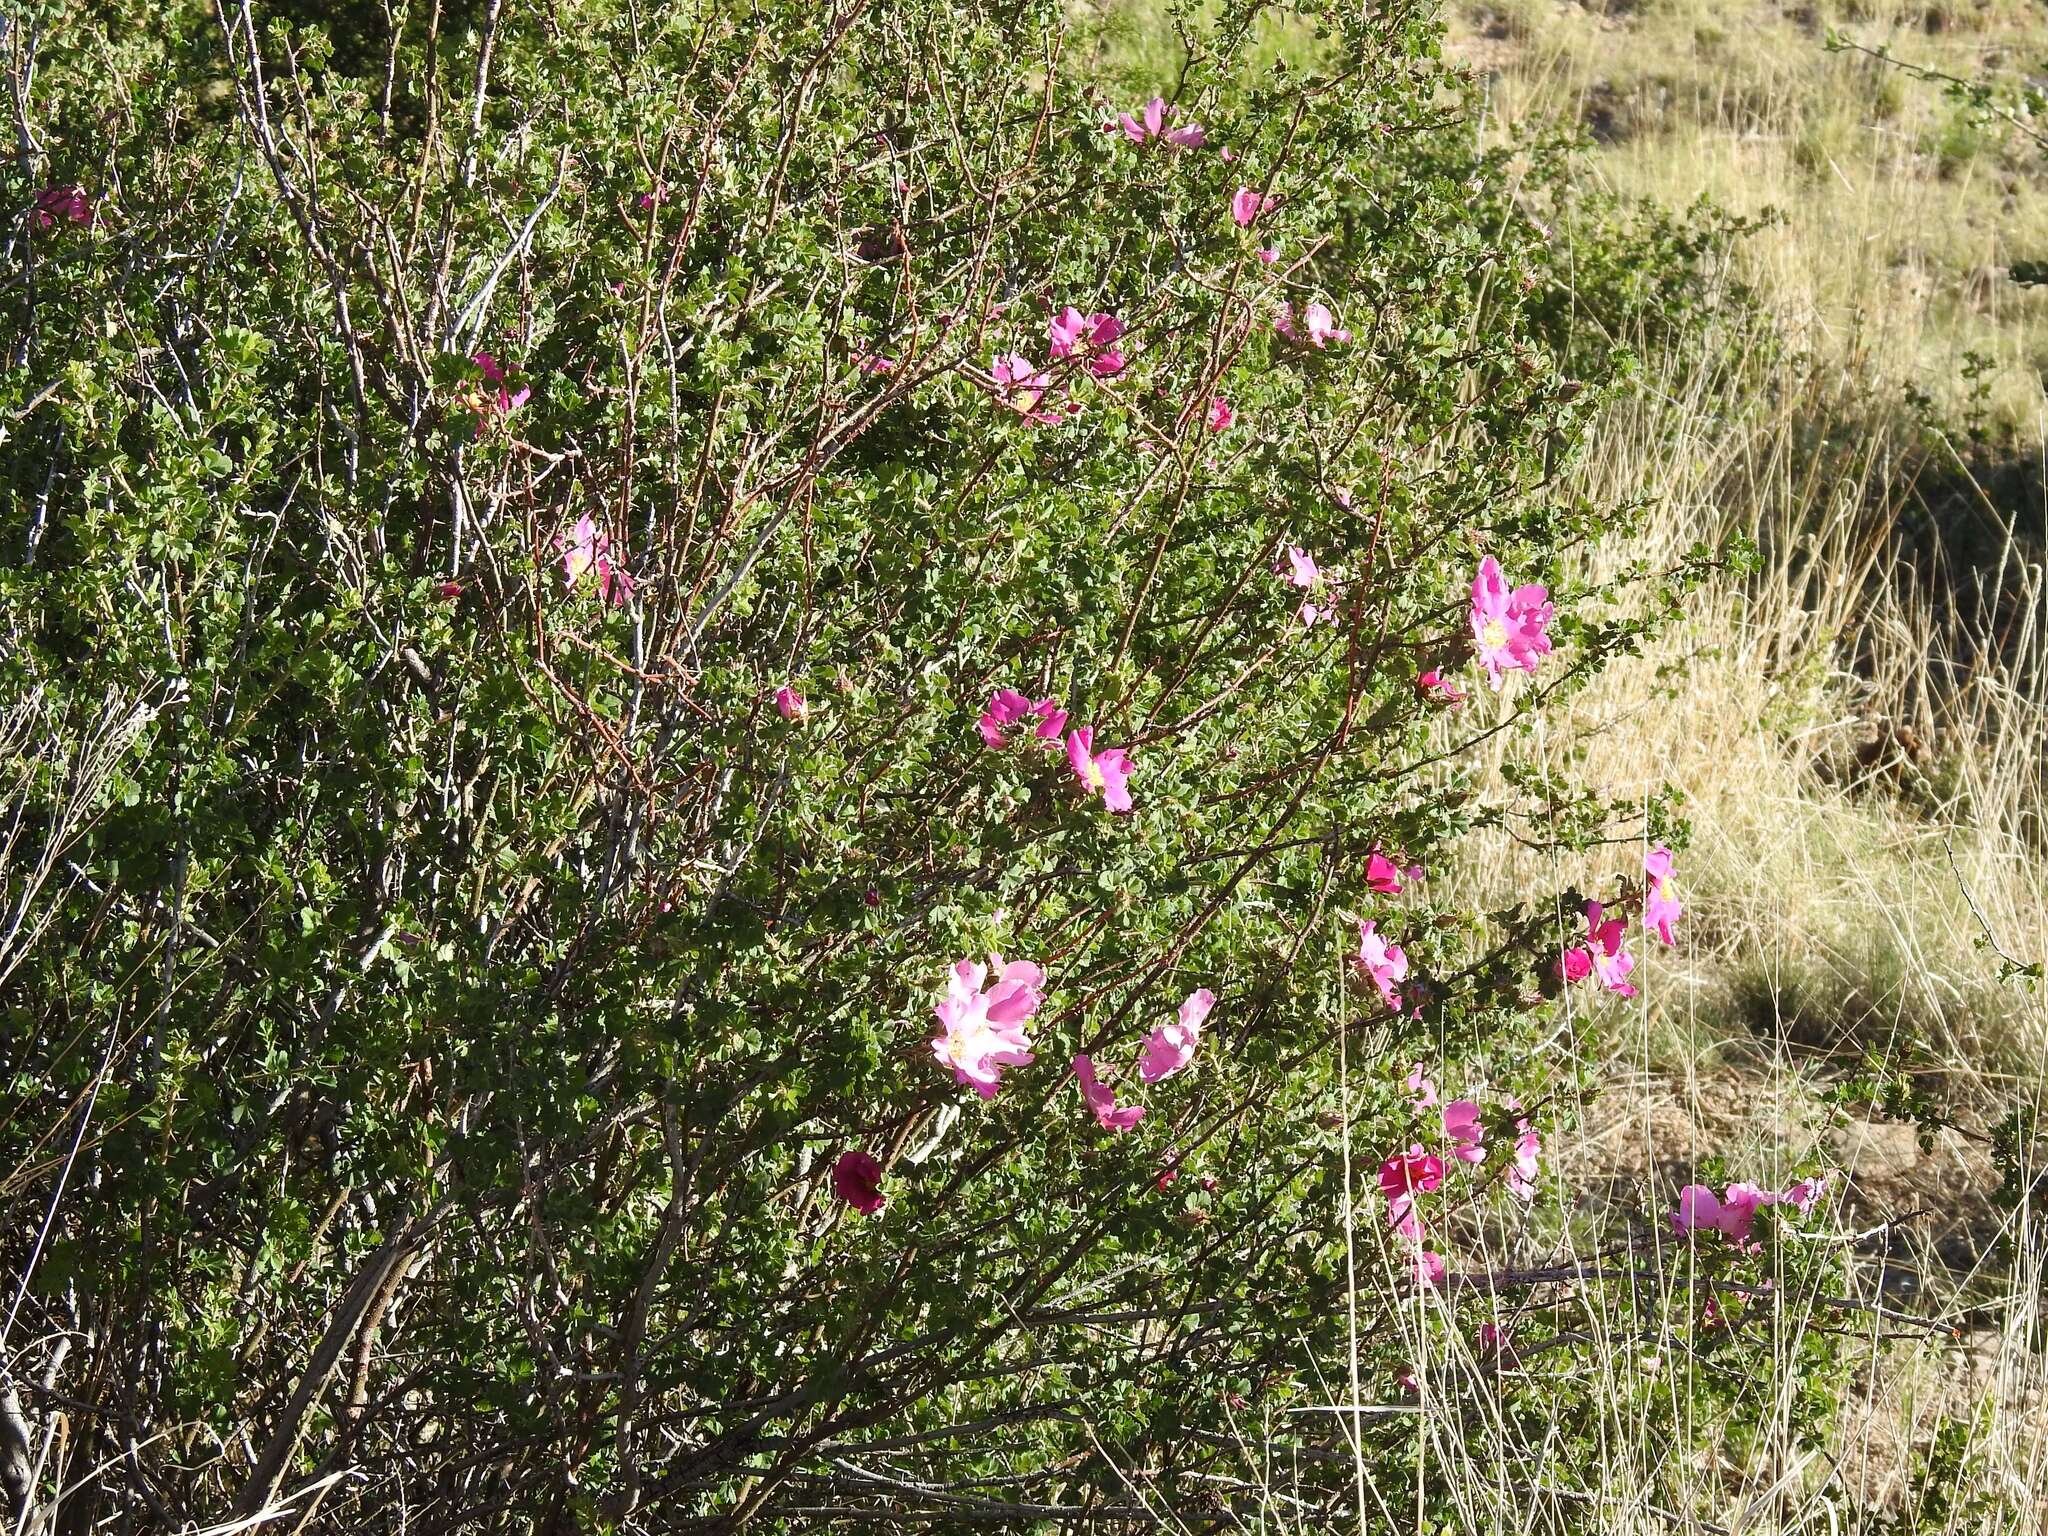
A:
(1246, 205)
(62, 205)
(1806, 1194)
(1007, 707)
(1383, 962)
(1489, 1338)
(1170, 1047)
(790, 704)
(1021, 386)
(1660, 907)
(1220, 415)
(1106, 773)
(1428, 1268)
(1318, 326)
(1102, 1100)
(1267, 254)
(1438, 689)
(857, 1179)
(1404, 1176)
(646, 202)
(449, 590)
(1465, 1130)
(982, 1032)
(1302, 571)
(1509, 628)
(1094, 337)
(1423, 1089)
(873, 362)
(1151, 124)
(588, 548)
(506, 402)
(1527, 1161)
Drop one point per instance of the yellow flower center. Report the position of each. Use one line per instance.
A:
(1494, 636)
(1095, 775)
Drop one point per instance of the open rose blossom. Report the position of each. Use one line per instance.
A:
(1732, 1213)
(981, 1032)
(1604, 954)
(1660, 907)
(1151, 123)
(1106, 773)
(1020, 386)
(857, 1179)
(1170, 1047)
(1101, 1101)
(1383, 963)
(1509, 628)
(1465, 1130)
(1091, 337)
(1007, 708)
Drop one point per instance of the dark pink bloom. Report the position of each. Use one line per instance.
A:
(1510, 628)
(1101, 1100)
(1604, 954)
(1093, 337)
(1404, 1176)
(1428, 1268)
(507, 402)
(1008, 707)
(1438, 689)
(857, 1179)
(790, 704)
(873, 362)
(449, 590)
(1383, 875)
(62, 205)
(1107, 772)
(1220, 415)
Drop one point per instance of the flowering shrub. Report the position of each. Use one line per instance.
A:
(616, 657)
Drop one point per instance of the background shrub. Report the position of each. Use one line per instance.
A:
(436, 995)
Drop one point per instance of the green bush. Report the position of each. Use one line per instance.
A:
(436, 996)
